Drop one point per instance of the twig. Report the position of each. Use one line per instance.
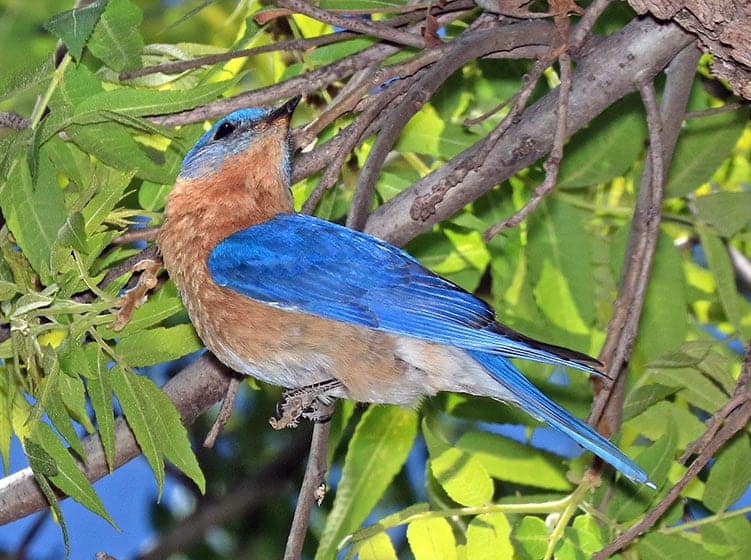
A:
(739, 396)
(365, 124)
(314, 477)
(604, 74)
(622, 328)
(224, 412)
(291, 45)
(14, 121)
(582, 29)
(716, 110)
(734, 421)
(424, 206)
(192, 390)
(552, 164)
(140, 234)
(468, 46)
(371, 28)
(299, 85)
(149, 253)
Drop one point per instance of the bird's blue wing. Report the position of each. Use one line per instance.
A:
(301, 263)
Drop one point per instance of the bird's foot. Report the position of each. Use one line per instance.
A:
(311, 402)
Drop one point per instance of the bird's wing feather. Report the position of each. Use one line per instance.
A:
(301, 263)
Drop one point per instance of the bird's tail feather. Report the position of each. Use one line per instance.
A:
(544, 352)
(531, 400)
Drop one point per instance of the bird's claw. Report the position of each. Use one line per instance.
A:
(311, 403)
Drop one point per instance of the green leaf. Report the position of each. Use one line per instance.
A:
(172, 435)
(377, 451)
(42, 465)
(431, 539)
(510, 460)
(657, 546)
(531, 536)
(695, 387)
(654, 422)
(463, 477)
(155, 346)
(74, 27)
(489, 536)
(560, 264)
(702, 146)
(722, 270)
(34, 215)
(127, 389)
(377, 547)
(99, 388)
(113, 144)
(153, 196)
(606, 148)
(116, 40)
(727, 212)
(630, 500)
(68, 477)
(422, 133)
(583, 539)
(142, 102)
(641, 398)
(73, 233)
(111, 189)
(730, 475)
(729, 536)
(664, 323)
(156, 425)
(61, 420)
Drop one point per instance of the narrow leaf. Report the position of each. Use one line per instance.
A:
(68, 477)
(99, 389)
(155, 346)
(127, 390)
(730, 475)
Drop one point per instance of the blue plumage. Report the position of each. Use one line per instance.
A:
(353, 277)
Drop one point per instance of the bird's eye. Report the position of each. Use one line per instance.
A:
(225, 129)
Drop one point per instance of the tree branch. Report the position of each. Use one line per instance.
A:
(637, 261)
(602, 76)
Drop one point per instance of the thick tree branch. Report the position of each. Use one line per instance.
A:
(605, 74)
(193, 390)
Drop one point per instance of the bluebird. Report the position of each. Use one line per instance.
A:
(321, 309)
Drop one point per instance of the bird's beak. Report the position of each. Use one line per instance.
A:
(286, 110)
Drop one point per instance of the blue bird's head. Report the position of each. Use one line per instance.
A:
(238, 133)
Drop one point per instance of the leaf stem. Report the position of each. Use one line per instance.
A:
(706, 520)
(56, 78)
